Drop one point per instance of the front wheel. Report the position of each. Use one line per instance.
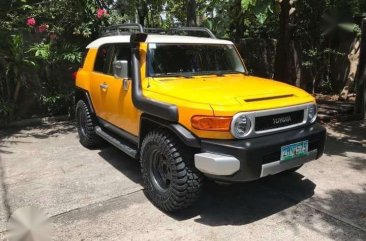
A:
(171, 181)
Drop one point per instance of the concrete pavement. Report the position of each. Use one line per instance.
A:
(97, 195)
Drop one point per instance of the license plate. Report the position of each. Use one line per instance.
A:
(292, 151)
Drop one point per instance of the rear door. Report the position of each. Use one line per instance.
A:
(100, 78)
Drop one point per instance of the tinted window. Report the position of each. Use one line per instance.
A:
(195, 59)
(121, 52)
(83, 58)
(101, 59)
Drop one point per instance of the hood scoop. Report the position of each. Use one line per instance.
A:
(268, 98)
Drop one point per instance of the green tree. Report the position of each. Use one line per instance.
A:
(17, 62)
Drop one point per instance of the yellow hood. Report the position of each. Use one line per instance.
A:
(230, 91)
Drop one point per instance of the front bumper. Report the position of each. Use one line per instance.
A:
(251, 159)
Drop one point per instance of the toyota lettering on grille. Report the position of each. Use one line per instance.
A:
(282, 120)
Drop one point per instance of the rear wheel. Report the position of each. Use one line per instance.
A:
(171, 181)
(85, 125)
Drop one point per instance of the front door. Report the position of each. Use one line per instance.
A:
(111, 96)
(122, 113)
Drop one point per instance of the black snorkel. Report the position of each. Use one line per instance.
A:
(162, 110)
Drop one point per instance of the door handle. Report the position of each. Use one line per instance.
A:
(126, 84)
(104, 86)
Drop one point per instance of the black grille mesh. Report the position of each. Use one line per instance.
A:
(263, 123)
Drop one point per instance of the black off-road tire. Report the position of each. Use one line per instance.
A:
(182, 184)
(85, 124)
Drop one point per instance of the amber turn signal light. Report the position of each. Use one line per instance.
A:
(211, 123)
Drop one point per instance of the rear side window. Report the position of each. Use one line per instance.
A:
(83, 58)
(101, 59)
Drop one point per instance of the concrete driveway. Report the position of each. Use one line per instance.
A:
(97, 194)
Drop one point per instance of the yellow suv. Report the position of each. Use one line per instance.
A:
(187, 109)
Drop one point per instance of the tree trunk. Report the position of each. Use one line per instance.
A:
(282, 67)
(16, 91)
(191, 13)
(142, 11)
(238, 21)
(8, 91)
(296, 64)
(142, 20)
(353, 58)
(360, 107)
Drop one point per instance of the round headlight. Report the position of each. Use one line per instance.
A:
(312, 113)
(241, 126)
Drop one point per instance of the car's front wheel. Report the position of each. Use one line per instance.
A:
(171, 181)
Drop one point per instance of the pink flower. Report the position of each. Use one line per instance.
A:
(31, 22)
(101, 13)
(42, 28)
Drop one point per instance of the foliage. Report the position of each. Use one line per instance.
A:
(52, 53)
(43, 38)
(260, 8)
(16, 61)
(44, 34)
(57, 103)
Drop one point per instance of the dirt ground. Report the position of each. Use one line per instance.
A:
(97, 194)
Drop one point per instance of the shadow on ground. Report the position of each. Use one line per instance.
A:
(245, 203)
(227, 204)
(4, 191)
(241, 204)
(12, 136)
(123, 163)
(41, 131)
(346, 137)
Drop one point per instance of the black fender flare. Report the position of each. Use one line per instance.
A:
(187, 137)
(82, 94)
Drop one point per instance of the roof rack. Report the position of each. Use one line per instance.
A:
(192, 31)
(154, 30)
(128, 28)
(122, 29)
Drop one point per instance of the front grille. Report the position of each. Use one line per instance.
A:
(269, 122)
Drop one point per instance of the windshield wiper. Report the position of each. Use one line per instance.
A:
(173, 75)
(222, 73)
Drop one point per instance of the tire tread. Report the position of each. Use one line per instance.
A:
(187, 181)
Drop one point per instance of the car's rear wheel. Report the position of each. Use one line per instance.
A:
(171, 181)
(85, 125)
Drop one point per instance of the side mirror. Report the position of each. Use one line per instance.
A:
(120, 69)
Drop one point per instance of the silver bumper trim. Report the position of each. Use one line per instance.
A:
(280, 166)
(216, 164)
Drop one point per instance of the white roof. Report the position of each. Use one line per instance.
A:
(158, 39)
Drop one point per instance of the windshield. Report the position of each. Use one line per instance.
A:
(193, 59)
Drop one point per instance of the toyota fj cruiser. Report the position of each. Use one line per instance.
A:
(186, 108)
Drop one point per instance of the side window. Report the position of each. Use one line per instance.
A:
(121, 52)
(101, 59)
(83, 58)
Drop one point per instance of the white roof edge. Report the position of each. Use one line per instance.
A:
(158, 39)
